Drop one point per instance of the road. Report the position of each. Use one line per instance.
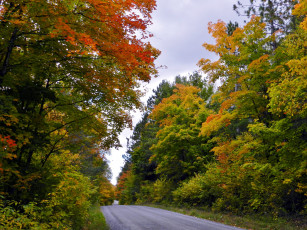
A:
(132, 217)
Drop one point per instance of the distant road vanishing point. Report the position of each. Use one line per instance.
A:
(132, 217)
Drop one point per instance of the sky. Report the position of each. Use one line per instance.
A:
(179, 28)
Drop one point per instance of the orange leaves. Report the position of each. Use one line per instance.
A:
(223, 152)
(212, 117)
(121, 183)
(224, 117)
(258, 64)
(235, 154)
(233, 99)
(3, 9)
(63, 29)
(218, 31)
(108, 29)
(243, 68)
(301, 10)
(88, 41)
(73, 36)
(216, 122)
(235, 50)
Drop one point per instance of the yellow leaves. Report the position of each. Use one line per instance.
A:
(287, 181)
(152, 158)
(288, 97)
(8, 119)
(300, 9)
(215, 69)
(245, 47)
(55, 116)
(297, 68)
(301, 188)
(106, 191)
(243, 78)
(182, 105)
(11, 156)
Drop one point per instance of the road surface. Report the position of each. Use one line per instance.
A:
(132, 217)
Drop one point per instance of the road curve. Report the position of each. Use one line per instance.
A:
(132, 217)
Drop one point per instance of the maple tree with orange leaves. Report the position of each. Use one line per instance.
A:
(70, 72)
(244, 150)
(77, 59)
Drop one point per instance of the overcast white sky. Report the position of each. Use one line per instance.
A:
(179, 29)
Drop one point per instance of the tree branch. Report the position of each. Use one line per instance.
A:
(10, 47)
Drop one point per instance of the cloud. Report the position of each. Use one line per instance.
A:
(180, 28)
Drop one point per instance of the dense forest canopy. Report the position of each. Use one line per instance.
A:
(69, 73)
(241, 148)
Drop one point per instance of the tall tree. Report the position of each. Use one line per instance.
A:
(277, 14)
(68, 75)
(180, 152)
(258, 166)
(140, 155)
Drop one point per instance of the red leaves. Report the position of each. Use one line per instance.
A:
(109, 29)
(7, 146)
(7, 143)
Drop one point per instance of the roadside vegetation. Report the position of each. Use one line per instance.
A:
(96, 220)
(69, 70)
(252, 221)
(239, 149)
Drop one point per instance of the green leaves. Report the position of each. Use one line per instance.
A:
(245, 150)
(69, 73)
(176, 149)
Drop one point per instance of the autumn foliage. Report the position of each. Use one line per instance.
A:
(243, 150)
(69, 73)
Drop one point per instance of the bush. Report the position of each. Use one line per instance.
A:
(66, 206)
(162, 191)
(146, 193)
(71, 199)
(202, 189)
(30, 216)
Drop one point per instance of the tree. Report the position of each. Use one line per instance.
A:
(180, 152)
(140, 159)
(70, 67)
(275, 13)
(260, 165)
(243, 73)
(77, 63)
(69, 72)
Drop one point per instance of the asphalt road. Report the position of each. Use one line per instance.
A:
(132, 217)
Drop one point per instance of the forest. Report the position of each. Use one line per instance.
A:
(69, 73)
(231, 137)
(239, 148)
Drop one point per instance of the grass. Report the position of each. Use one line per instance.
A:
(254, 222)
(96, 220)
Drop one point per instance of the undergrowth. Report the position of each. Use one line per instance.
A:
(252, 222)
